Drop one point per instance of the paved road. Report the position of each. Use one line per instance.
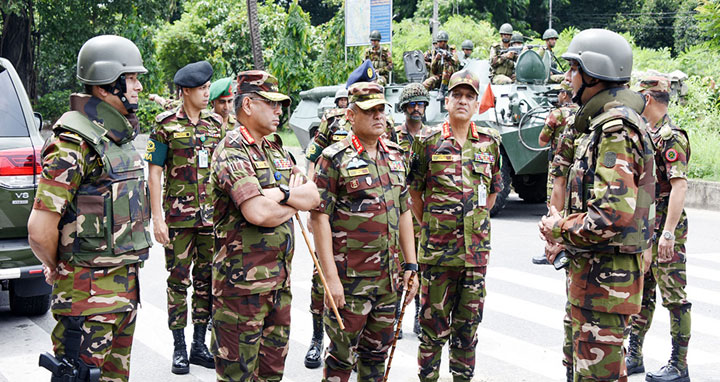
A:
(519, 339)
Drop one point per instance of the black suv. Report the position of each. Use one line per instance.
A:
(20, 144)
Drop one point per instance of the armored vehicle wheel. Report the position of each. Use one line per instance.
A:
(501, 200)
(531, 188)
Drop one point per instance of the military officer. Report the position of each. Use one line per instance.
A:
(667, 270)
(444, 64)
(380, 57)
(360, 226)
(606, 227)
(257, 188)
(90, 218)
(455, 178)
(502, 61)
(180, 148)
(221, 100)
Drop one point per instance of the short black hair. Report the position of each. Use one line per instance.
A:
(661, 97)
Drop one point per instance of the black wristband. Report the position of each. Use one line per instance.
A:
(410, 267)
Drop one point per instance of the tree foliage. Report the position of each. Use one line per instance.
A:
(709, 15)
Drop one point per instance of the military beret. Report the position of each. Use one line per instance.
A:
(221, 88)
(193, 75)
(367, 95)
(464, 77)
(364, 73)
(653, 83)
(262, 83)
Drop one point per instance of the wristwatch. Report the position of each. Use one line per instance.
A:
(668, 235)
(286, 190)
(410, 267)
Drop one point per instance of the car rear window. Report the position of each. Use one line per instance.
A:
(12, 120)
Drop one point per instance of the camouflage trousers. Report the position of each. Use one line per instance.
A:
(250, 336)
(501, 79)
(106, 342)
(189, 247)
(452, 308)
(672, 280)
(317, 295)
(369, 331)
(434, 81)
(598, 353)
(567, 329)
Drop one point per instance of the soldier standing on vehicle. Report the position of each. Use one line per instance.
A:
(380, 57)
(256, 188)
(502, 61)
(667, 270)
(179, 149)
(467, 48)
(360, 226)
(444, 64)
(221, 100)
(551, 36)
(430, 53)
(89, 223)
(607, 225)
(455, 178)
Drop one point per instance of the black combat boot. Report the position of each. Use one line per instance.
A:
(540, 259)
(199, 353)
(569, 373)
(671, 372)
(180, 364)
(313, 358)
(633, 358)
(416, 326)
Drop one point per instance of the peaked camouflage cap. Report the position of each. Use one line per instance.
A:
(262, 83)
(367, 95)
(465, 77)
(653, 83)
(221, 88)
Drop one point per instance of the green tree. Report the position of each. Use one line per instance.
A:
(331, 67)
(709, 16)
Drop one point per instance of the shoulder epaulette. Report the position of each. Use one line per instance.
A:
(336, 148)
(164, 115)
(275, 137)
(217, 118)
(393, 144)
(612, 125)
(427, 132)
(491, 132)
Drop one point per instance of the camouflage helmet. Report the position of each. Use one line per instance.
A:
(467, 44)
(413, 92)
(550, 33)
(375, 35)
(341, 93)
(517, 37)
(506, 29)
(601, 54)
(102, 59)
(442, 36)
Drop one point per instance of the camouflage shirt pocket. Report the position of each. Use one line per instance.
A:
(92, 222)
(362, 195)
(262, 255)
(366, 254)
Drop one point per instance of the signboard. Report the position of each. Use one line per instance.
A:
(363, 16)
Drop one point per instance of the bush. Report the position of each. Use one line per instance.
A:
(52, 105)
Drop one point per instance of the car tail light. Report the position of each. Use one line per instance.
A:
(18, 167)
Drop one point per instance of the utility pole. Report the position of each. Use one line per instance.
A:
(550, 14)
(255, 42)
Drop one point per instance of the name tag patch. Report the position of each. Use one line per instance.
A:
(442, 158)
(261, 164)
(359, 171)
(182, 134)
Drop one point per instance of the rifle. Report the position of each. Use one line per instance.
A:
(64, 371)
(518, 49)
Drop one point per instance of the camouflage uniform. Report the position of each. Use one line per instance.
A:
(382, 62)
(607, 226)
(672, 154)
(555, 124)
(181, 148)
(503, 69)
(364, 199)
(441, 69)
(454, 241)
(251, 268)
(90, 162)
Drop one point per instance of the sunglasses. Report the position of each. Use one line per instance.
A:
(420, 103)
(273, 104)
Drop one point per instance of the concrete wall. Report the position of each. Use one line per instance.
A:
(703, 194)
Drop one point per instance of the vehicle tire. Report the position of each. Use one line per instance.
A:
(29, 306)
(531, 188)
(506, 172)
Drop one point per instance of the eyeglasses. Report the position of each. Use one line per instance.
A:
(273, 104)
(418, 104)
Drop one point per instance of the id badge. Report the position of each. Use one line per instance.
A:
(482, 195)
(203, 158)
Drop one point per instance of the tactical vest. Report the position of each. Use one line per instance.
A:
(109, 216)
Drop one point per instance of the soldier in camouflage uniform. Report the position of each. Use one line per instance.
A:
(444, 63)
(380, 57)
(667, 270)
(467, 48)
(256, 189)
(360, 226)
(180, 147)
(89, 223)
(455, 178)
(550, 36)
(430, 53)
(221, 100)
(608, 223)
(503, 64)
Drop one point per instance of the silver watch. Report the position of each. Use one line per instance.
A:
(668, 235)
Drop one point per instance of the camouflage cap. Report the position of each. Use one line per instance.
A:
(653, 83)
(221, 88)
(367, 95)
(262, 83)
(465, 77)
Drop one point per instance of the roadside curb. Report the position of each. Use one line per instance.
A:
(703, 194)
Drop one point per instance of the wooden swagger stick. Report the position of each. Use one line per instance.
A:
(320, 272)
(399, 327)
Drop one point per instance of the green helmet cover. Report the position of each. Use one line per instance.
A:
(442, 36)
(375, 36)
(550, 33)
(506, 29)
(102, 59)
(467, 44)
(413, 92)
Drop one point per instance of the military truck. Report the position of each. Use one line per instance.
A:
(519, 115)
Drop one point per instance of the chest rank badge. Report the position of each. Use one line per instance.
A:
(671, 155)
(484, 157)
(396, 165)
(282, 164)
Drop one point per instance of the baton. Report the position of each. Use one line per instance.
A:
(399, 327)
(320, 272)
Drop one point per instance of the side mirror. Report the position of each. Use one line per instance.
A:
(38, 120)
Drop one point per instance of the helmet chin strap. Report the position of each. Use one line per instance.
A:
(119, 88)
(578, 97)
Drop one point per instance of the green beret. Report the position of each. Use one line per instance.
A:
(221, 88)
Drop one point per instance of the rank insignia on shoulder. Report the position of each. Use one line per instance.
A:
(356, 163)
(282, 164)
(441, 158)
(260, 164)
(671, 155)
(484, 157)
(182, 134)
(359, 171)
(396, 165)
